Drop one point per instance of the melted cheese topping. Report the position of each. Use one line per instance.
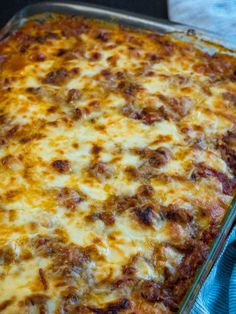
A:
(115, 166)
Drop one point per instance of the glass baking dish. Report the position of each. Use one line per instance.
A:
(207, 41)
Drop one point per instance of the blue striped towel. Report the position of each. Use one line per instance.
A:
(218, 294)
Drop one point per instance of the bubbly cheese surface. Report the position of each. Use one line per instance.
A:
(117, 166)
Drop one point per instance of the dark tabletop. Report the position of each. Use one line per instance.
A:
(156, 8)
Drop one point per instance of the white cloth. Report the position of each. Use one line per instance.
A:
(218, 16)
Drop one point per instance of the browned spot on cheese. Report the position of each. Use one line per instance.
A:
(155, 158)
(175, 213)
(95, 56)
(228, 150)
(202, 170)
(145, 190)
(151, 291)
(230, 96)
(8, 160)
(144, 214)
(100, 170)
(96, 149)
(69, 198)
(56, 77)
(38, 301)
(38, 57)
(5, 304)
(43, 278)
(103, 35)
(52, 109)
(77, 114)
(61, 166)
(73, 94)
(114, 307)
(10, 133)
(107, 217)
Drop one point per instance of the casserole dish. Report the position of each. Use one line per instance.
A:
(207, 42)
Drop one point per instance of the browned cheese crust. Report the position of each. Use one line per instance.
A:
(117, 166)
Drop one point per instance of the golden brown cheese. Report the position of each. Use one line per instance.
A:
(117, 166)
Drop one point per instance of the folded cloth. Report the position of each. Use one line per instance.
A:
(218, 294)
(218, 16)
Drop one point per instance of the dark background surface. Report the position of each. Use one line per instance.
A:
(155, 8)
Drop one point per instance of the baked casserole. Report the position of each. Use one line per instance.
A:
(117, 166)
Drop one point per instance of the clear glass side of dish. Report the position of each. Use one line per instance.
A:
(207, 41)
